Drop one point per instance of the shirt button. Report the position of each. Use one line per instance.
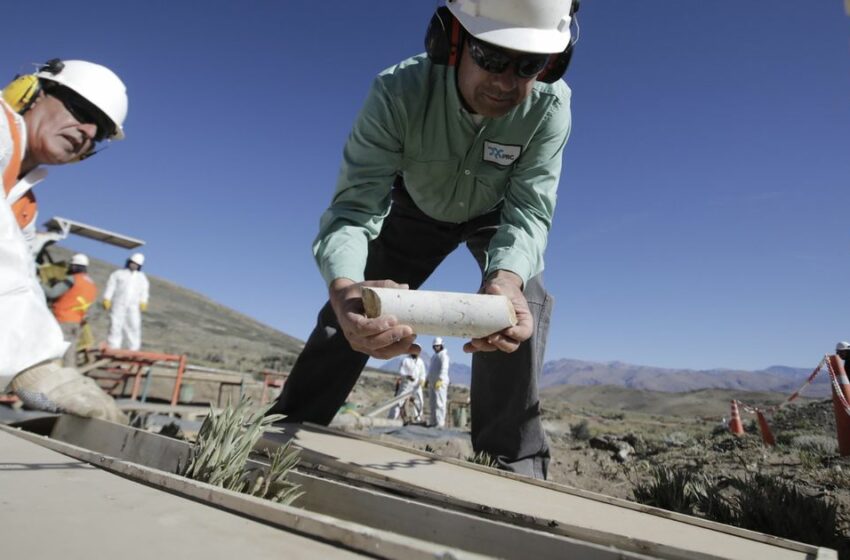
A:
(460, 204)
(466, 171)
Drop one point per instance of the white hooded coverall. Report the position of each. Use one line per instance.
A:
(127, 289)
(412, 372)
(438, 387)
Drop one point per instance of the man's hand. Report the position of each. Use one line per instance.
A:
(508, 340)
(107, 304)
(381, 337)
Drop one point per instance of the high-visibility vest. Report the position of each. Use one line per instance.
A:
(26, 207)
(71, 306)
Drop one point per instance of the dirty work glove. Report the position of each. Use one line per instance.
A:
(438, 384)
(143, 306)
(50, 387)
(107, 304)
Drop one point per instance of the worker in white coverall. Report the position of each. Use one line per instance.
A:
(438, 384)
(412, 378)
(55, 116)
(126, 297)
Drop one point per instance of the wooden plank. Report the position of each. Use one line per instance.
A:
(544, 506)
(389, 404)
(353, 536)
(364, 506)
(55, 506)
(94, 365)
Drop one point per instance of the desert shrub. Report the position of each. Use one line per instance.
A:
(808, 460)
(214, 358)
(770, 505)
(820, 445)
(580, 431)
(757, 502)
(676, 439)
(675, 490)
(720, 429)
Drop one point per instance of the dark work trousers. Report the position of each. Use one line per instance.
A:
(504, 400)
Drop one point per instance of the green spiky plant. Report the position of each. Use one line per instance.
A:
(225, 442)
(484, 459)
(676, 490)
(758, 502)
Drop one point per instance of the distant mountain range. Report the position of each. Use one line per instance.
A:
(775, 379)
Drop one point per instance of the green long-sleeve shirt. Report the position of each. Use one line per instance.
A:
(414, 125)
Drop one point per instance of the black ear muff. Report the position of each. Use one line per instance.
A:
(443, 38)
(558, 64)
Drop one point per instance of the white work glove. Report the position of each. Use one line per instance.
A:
(53, 388)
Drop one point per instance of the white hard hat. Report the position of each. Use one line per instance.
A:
(138, 258)
(534, 26)
(842, 346)
(80, 260)
(98, 84)
(438, 341)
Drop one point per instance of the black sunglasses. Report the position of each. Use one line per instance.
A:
(495, 60)
(82, 110)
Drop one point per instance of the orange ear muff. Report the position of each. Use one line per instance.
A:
(454, 45)
(444, 37)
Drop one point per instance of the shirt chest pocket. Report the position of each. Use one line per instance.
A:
(491, 184)
(424, 176)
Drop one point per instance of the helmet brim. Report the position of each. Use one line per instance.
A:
(523, 39)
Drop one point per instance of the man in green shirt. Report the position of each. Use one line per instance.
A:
(462, 144)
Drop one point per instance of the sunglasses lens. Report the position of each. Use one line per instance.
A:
(494, 60)
(83, 111)
(488, 58)
(530, 66)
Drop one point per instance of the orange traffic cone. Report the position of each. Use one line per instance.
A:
(764, 428)
(842, 416)
(735, 425)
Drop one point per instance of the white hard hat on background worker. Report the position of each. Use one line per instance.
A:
(126, 297)
(80, 260)
(438, 341)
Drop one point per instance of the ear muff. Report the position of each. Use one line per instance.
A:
(21, 92)
(444, 38)
(558, 64)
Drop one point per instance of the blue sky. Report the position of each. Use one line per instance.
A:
(703, 217)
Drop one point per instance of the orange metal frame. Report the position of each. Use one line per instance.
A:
(271, 379)
(129, 363)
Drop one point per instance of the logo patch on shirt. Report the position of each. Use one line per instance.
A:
(501, 154)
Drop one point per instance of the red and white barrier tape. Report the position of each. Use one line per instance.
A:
(837, 389)
(771, 409)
